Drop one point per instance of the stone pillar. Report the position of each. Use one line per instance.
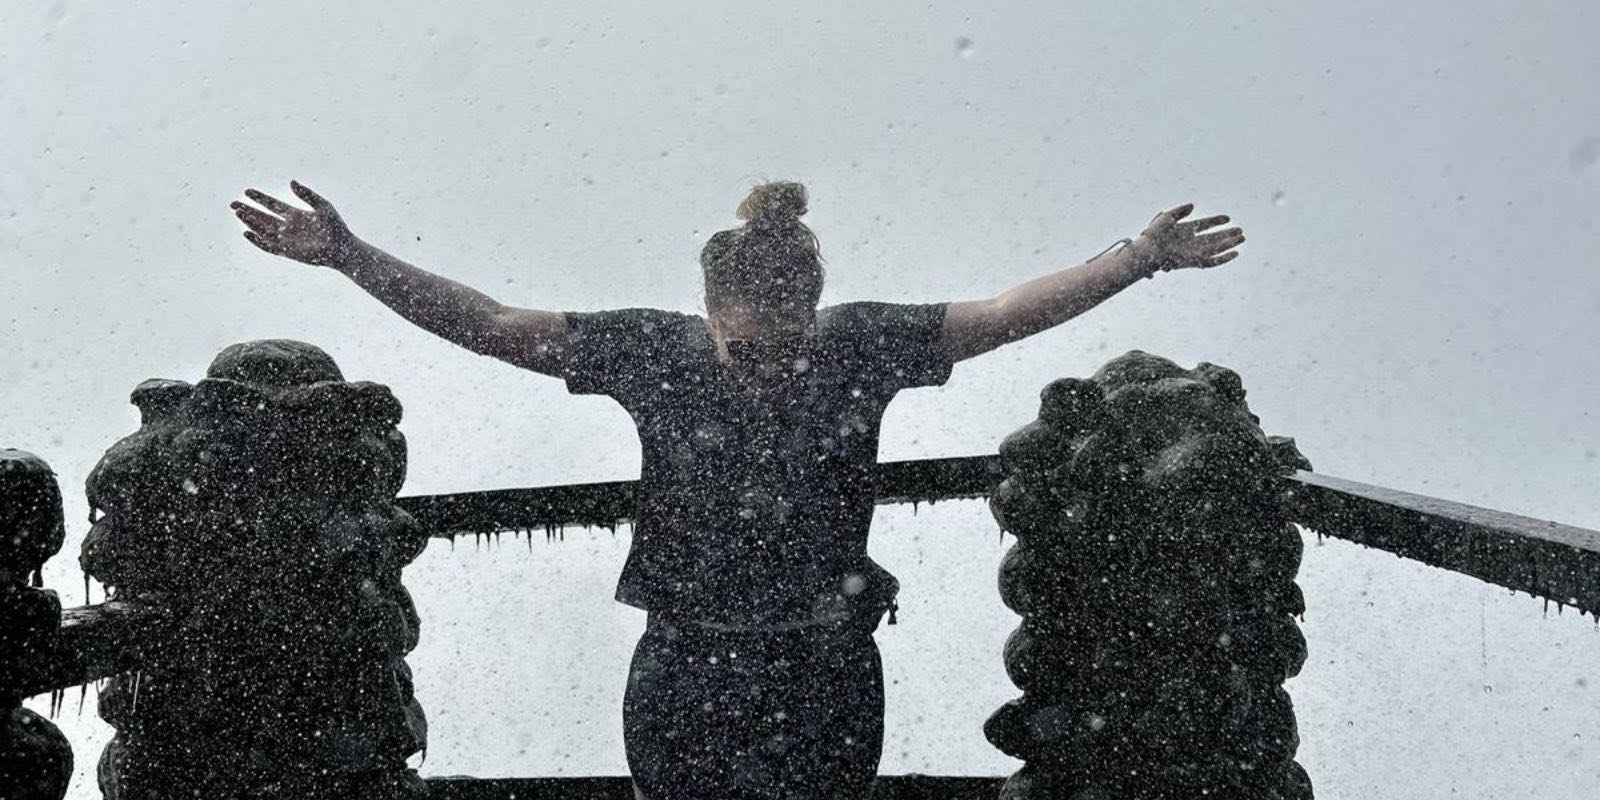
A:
(257, 506)
(1154, 572)
(35, 759)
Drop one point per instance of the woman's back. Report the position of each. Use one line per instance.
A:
(755, 492)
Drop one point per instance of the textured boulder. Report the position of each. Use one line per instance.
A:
(35, 759)
(257, 505)
(1154, 571)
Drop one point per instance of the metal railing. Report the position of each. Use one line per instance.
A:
(1560, 563)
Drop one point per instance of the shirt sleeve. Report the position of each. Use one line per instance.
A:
(904, 343)
(614, 352)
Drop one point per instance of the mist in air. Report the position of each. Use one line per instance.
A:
(1416, 304)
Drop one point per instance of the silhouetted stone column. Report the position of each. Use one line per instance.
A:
(35, 759)
(257, 505)
(1154, 572)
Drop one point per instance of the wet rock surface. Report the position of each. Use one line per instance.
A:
(257, 505)
(1154, 572)
(35, 759)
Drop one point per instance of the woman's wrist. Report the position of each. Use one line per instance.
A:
(351, 254)
(1140, 259)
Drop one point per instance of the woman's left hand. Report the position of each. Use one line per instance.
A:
(1170, 243)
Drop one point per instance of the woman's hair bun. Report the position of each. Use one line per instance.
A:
(776, 204)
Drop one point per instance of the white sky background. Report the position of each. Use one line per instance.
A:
(1416, 303)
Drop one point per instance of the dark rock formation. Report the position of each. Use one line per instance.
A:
(1154, 572)
(35, 759)
(257, 506)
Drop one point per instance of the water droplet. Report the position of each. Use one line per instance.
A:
(1585, 156)
(964, 47)
(1279, 197)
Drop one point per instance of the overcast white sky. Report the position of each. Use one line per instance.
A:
(1417, 303)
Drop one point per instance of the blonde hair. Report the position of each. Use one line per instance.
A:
(771, 259)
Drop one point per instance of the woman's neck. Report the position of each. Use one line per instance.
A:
(740, 325)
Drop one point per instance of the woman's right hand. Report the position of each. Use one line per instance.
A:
(318, 236)
(1170, 243)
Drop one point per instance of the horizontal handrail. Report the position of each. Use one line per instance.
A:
(93, 642)
(610, 503)
(1559, 563)
(895, 787)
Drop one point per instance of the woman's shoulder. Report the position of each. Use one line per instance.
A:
(639, 320)
(624, 351)
(876, 317)
(637, 313)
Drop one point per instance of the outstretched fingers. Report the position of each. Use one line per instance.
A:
(1219, 260)
(1169, 218)
(269, 202)
(269, 245)
(312, 199)
(1202, 224)
(257, 220)
(1218, 241)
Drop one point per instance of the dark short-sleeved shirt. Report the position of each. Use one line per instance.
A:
(755, 500)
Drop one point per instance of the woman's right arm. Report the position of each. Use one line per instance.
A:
(528, 338)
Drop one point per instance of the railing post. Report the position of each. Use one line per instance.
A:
(1154, 572)
(257, 506)
(35, 759)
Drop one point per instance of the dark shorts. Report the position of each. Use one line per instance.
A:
(719, 715)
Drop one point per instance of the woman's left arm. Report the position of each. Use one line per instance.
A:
(973, 327)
